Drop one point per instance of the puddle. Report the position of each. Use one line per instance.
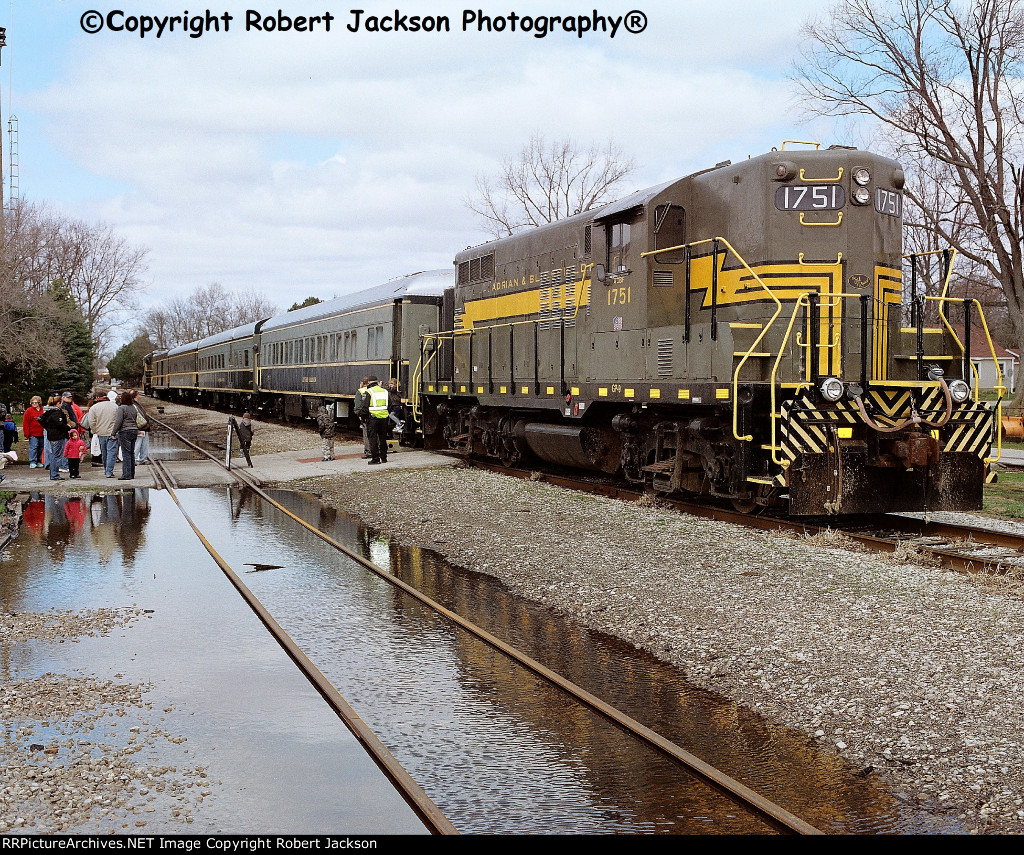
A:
(206, 722)
(496, 749)
(437, 698)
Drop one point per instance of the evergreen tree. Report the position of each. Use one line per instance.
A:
(309, 301)
(75, 372)
(128, 363)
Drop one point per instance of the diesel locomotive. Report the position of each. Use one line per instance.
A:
(738, 333)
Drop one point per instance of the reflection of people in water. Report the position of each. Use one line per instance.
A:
(58, 533)
(74, 509)
(117, 522)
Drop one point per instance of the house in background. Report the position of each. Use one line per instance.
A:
(985, 365)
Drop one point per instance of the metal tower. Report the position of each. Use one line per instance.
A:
(12, 160)
(3, 43)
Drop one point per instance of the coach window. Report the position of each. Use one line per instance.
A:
(618, 247)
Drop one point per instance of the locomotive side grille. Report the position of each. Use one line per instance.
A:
(476, 269)
(547, 311)
(569, 303)
(588, 240)
(665, 357)
(663, 278)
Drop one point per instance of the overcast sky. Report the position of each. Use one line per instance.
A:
(320, 163)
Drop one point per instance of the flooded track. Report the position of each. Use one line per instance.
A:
(496, 748)
(184, 716)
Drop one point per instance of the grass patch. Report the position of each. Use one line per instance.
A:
(1005, 498)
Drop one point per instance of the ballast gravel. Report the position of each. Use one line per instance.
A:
(907, 670)
(73, 756)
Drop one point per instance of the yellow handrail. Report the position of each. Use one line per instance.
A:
(999, 389)
(801, 301)
(778, 310)
(838, 221)
(820, 180)
(800, 260)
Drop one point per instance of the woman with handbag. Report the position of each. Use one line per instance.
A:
(126, 429)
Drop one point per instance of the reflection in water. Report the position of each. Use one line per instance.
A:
(113, 522)
(266, 754)
(496, 749)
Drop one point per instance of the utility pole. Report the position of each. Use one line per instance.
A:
(3, 43)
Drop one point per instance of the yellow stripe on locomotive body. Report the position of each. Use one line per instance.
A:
(887, 295)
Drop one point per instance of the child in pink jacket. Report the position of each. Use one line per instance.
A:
(74, 451)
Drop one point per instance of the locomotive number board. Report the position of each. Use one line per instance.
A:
(888, 202)
(810, 197)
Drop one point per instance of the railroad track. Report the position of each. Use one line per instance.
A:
(961, 547)
(767, 811)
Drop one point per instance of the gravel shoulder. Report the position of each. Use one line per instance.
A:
(910, 672)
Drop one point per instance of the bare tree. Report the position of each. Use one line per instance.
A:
(944, 78)
(103, 272)
(250, 306)
(29, 312)
(207, 310)
(546, 182)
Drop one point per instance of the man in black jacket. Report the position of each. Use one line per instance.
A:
(361, 407)
(55, 422)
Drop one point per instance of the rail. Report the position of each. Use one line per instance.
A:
(417, 799)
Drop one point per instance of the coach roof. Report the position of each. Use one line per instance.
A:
(428, 283)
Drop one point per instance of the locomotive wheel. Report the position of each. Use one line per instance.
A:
(746, 506)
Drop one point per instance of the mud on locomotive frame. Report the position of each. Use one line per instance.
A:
(746, 332)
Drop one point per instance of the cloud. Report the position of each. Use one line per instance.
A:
(320, 163)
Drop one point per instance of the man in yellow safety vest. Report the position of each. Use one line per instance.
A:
(375, 401)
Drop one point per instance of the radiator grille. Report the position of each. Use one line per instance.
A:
(665, 357)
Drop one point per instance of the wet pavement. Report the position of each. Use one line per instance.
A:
(226, 734)
(191, 469)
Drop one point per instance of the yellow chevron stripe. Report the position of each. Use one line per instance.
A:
(888, 293)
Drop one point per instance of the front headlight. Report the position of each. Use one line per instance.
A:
(832, 389)
(862, 195)
(959, 391)
(861, 175)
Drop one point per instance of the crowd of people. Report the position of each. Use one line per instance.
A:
(61, 435)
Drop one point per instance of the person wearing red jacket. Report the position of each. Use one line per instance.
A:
(33, 431)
